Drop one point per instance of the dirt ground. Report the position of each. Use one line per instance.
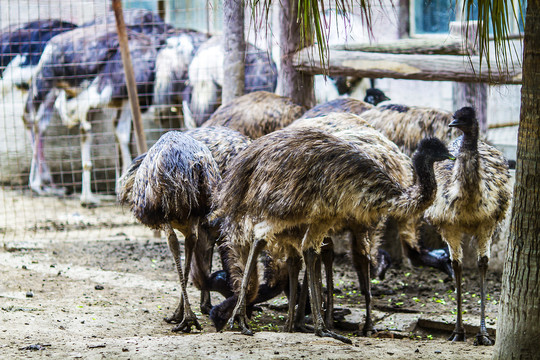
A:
(92, 284)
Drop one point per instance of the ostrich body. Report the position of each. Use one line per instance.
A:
(85, 64)
(256, 114)
(21, 47)
(170, 188)
(206, 77)
(297, 179)
(472, 198)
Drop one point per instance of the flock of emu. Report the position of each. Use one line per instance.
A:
(264, 174)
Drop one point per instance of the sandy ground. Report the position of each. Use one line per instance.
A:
(54, 262)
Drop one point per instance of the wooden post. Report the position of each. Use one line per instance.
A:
(292, 83)
(130, 77)
(470, 94)
(235, 49)
(404, 25)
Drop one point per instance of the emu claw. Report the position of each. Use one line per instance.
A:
(186, 324)
(175, 318)
(457, 336)
(328, 333)
(483, 339)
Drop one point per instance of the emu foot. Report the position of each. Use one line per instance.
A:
(239, 315)
(328, 333)
(457, 336)
(206, 307)
(483, 339)
(177, 317)
(186, 324)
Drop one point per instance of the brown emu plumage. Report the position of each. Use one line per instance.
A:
(256, 114)
(406, 126)
(309, 181)
(346, 105)
(473, 196)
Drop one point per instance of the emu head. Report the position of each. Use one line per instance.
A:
(375, 96)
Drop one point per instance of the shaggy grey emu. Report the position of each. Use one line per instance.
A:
(388, 157)
(473, 195)
(407, 125)
(170, 187)
(294, 180)
(256, 114)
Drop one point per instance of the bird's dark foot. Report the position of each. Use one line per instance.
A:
(457, 336)
(328, 333)
(303, 328)
(239, 315)
(187, 324)
(175, 318)
(205, 308)
(483, 339)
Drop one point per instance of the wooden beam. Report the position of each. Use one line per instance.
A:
(403, 66)
(450, 46)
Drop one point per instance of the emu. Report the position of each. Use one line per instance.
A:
(473, 195)
(168, 188)
(256, 114)
(295, 180)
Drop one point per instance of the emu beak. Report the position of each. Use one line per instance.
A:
(455, 123)
(386, 98)
(452, 157)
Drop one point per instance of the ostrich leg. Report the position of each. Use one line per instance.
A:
(87, 197)
(123, 134)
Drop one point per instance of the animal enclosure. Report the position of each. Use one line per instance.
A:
(66, 136)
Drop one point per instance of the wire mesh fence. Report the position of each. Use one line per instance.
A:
(65, 123)
(65, 120)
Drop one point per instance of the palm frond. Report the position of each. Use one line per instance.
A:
(494, 16)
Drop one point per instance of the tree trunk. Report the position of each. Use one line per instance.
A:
(292, 83)
(235, 49)
(518, 331)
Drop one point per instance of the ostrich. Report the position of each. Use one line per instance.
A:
(206, 77)
(21, 47)
(297, 179)
(170, 188)
(85, 63)
(472, 198)
(256, 114)
(172, 62)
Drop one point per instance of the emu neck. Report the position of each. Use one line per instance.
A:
(466, 169)
(426, 184)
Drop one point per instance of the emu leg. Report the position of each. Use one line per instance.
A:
(327, 257)
(310, 257)
(300, 318)
(239, 313)
(87, 197)
(459, 331)
(482, 338)
(362, 263)
(294, 264)
(189, 319)
(202, 266)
